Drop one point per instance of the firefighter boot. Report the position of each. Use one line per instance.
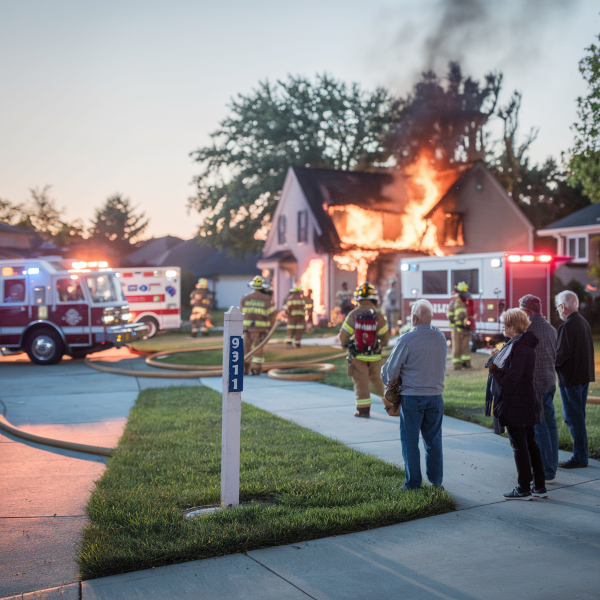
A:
(458, 366)
(194, 333)
(288, 340)
(466, 364)
(363, 412)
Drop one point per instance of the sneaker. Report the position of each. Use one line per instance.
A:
(541, 493)
(517, 495)
(571, 464)
(550, 481)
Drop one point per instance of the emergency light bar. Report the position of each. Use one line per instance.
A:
(93, 265)
(529, 258)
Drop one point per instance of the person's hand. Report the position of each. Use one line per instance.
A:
(493, 368)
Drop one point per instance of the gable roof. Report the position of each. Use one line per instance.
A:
(205, 261)
(585, 217)
(152, 252)
(330, 187)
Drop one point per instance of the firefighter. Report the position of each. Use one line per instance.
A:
(259, 315)
(309, 307)
(294, 308)
(460, 326)
(200, 301)
(365, 332)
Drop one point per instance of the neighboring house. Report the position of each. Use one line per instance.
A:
(577, 235)
(17, 243)
(151, 252)
(227, 277)
(327, 221)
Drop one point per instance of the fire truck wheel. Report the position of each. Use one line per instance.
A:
(44, 347)
(152, 325)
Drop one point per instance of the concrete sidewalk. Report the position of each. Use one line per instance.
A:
(489, 549)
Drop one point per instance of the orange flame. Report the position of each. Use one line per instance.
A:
(419, 189)
(312, 279)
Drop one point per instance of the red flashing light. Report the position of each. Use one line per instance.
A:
(529, 258)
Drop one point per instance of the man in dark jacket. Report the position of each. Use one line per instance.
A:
(575, 367)
(546, 432)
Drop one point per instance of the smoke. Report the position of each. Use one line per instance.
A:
(493, 34)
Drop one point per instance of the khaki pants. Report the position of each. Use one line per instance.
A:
(460, 347)
(251, 339)
(295, 329)
(367, 378)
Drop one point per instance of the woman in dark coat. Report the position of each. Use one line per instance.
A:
(518, 406)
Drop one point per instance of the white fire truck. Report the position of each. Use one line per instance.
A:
(50, 307)
(496, 281)
(154, 296)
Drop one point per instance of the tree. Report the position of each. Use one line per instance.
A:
(584, 165)
(445, 119)
(294, 122)
(541, 192)
(116, 222)
(41, 213)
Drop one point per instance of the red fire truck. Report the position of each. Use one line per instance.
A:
(496, 281)
(154, 296)
(49, 309)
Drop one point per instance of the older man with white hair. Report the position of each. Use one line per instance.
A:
(419, 361)
(575, 368)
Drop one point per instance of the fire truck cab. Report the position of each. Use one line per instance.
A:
(48, 310)
(496, 280)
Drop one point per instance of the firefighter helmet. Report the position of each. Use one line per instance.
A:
(202, 283)
(257, 283)
(366, 291)
(462, 289)
(296, 288)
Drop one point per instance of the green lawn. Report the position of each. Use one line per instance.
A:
(294, 485)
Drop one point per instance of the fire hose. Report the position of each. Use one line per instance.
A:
(309, 370)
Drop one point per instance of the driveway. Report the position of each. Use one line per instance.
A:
(44, 490)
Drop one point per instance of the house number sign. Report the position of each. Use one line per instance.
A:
(236, 363)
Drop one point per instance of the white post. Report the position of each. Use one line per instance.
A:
(233, 380)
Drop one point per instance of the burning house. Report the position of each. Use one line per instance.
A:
(331, 226)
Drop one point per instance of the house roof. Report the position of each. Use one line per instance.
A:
(586, 217)
(152, 252)
(329, 187)
(205, 261)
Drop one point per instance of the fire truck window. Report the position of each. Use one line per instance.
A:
(104, 288)
(469, 276)
(39, 295)
(69, 290)
(435, 282)
(14, 290)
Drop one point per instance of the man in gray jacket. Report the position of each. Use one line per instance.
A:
(544, 377)
(419, 360)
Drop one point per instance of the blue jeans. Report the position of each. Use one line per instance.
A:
(546, 436)
(422, 414)
(574, 398)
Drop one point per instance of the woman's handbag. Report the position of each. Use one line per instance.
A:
(391, 399)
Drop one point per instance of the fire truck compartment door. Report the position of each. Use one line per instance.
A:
(71, 312)
(526, 279)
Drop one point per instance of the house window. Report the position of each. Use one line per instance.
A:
(435, 282)
(281, 230)
(302, 226)
(577, 246)
(453, 230)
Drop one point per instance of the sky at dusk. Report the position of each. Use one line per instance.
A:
(107, 97)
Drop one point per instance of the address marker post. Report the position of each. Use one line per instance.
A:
(233, 384)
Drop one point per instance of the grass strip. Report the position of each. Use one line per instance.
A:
(295, 485)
